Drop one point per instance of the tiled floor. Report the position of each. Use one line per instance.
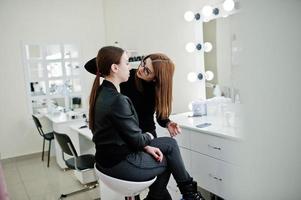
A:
(28, 178)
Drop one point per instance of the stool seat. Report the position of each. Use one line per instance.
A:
(123, 187)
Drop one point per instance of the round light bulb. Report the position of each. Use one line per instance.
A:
(209, 75)
(190, 106)
(207, 11)
(190, 47)
(189, 16)
(207, 47)
(228, 5)
(192, 77)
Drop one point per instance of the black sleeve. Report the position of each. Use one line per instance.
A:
(123, 116)
(163, 122)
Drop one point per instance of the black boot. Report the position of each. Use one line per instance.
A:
(189, 191)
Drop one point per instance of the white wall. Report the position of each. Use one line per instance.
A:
(270, 89)
(42, 22)
(159, 26)
(147, 26)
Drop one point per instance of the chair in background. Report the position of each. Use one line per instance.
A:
(79, 163)
(128, 189)
(46, 136)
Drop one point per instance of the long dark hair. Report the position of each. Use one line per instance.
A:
(105, 58)
(164, 70)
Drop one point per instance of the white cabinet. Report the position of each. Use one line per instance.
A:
(213, 175)
(220, 148)
(211, 155)
(211, 161)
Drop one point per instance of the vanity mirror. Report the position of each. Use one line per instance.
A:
(217, 43)
(221, 62)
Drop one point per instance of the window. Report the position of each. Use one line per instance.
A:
(53, 76)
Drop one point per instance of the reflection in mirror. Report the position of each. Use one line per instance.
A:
(38, 104)
(76, 102)
(36, 70)
(77, 85)
(37, 88)
(58, 101)
(72, 68)
(33, 51)
(54, 69)
(56, 87)
(209, 31)
(71, 51)
(220, 60)
(53, 52)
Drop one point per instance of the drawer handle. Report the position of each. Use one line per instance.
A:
(216, 178)
(213, 147)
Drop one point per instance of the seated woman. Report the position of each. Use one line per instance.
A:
(122, 150)
(150, 84)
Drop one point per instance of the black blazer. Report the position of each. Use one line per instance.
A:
(116, 126)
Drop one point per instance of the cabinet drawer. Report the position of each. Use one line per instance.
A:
(214, 175)
(186, 156)
(183, 139)
(220, 148)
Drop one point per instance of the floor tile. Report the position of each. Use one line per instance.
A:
(28, 178)
(17, 192)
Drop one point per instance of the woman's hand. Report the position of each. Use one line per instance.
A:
(155, 152)
(173, 129)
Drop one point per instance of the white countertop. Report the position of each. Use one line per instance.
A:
(219, 127)
(61, 117)
(86, 132)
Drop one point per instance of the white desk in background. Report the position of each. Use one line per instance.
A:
(82, 142)
(61, 123)
(82, 138)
